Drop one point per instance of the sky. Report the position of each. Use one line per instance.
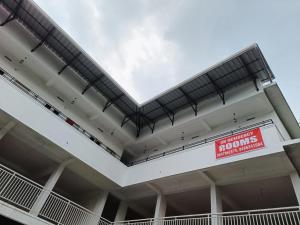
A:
(148, 46)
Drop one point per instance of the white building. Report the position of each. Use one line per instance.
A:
(75, 148)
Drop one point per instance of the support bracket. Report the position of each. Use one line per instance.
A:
(150, 123)
(91, 84)
(253, 76)
(110, 102)
(217, 88)
(168, 112)
(43, 40)
(191, 101)
(13, 14)
(69, 63)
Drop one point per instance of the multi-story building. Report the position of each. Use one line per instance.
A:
(75, 148)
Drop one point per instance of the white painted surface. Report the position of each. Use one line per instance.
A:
(48, 125)
(19, 215)
(296, 185)
(122, 210)
(161, 207)
(33, 115)
(7, 128)
(197, 158)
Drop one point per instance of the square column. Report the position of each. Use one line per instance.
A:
(215, 204)
(122, 210)
(296, 185)
(95, 201)
(42, 198)
(161, 207)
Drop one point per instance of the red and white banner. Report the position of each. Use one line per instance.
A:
(244, 142)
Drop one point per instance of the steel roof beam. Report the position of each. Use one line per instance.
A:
(217, 88)
(13, 14)
(150, 123)
(43, 40)
(69, 63)
(110, 102)
(168, 112)
(190, 100)
(253, 76)
(91, 84)
(138, 122)
(125, 120)
(202, 86)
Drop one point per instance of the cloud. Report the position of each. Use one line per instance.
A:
(149, 46)
(142, 53)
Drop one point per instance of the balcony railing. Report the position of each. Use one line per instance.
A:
(275, 216)
(204, 141)
(69, 121)
(23, 193)
(57, 112)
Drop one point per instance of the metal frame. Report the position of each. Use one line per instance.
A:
(268, 216)
(43, 40)
(168, 112)
(139, 117)
(224, 75)
(111, 101)
(127, 108)
(219, 91)
(190, 100)
(69, 63)
(21, 192)
(253, 76)
(13, 14)
(265, 123)
(91, 84)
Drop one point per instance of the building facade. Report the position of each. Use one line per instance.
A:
(75, 148)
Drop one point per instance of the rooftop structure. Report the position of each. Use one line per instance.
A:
(219, 148)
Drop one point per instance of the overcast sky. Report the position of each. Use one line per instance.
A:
(148, 46)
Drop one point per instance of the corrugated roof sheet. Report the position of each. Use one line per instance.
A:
(246, 66)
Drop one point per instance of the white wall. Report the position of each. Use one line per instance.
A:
(23, 108)
(17, 46)
(38, 118)
(197, 158)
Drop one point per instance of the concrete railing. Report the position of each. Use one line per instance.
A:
(274, 216)
(23, 193)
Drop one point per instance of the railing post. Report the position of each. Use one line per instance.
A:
(63, 214)
(13, 175)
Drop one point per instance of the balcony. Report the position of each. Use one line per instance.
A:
(277, 216)
(208, 140)
(22, 193)
(8, 78)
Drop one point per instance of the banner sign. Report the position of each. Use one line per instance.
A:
(243, 142)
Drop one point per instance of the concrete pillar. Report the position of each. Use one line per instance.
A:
(4, 130)
(94, 201)
(37, 206)
(122, 210)
(296, 185)
(98, 201)
(215, 204)
(161, 207)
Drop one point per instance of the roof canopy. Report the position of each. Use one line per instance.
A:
(248, 65)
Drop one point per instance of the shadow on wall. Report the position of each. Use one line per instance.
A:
(6, 221)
